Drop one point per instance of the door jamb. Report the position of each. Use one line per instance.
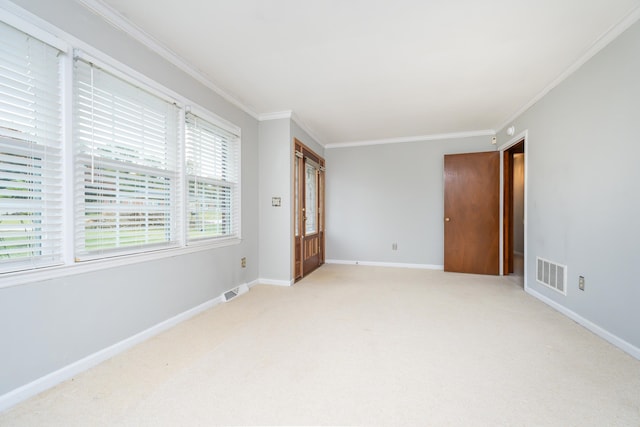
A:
(522, 136)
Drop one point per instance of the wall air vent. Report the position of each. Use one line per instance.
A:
(552, 275)
(232, 293)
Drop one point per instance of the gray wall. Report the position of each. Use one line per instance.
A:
(393, 193)
(583, 185)
(276, 172)
(49, 324)
(275, 181)
(304, 137)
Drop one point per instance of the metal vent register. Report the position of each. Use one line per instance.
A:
(552, 275)
(230, 294)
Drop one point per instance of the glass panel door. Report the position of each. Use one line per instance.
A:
(311, 198)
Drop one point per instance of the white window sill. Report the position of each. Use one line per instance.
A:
(48, 273)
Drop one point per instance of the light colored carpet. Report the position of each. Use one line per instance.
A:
(355, 345)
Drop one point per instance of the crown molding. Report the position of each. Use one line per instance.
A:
(600, 43)
(306, 128)
(289, 114)
(433, 137)
(277, 115)
(114, 18)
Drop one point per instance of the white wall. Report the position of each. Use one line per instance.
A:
(583, 184)
(49, 324)
(383, 194)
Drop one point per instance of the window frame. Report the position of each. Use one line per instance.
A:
(35, 144)
(119, 168)
(236, 232)
(70, 46)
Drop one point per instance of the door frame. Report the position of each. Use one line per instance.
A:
(297, 266)
(522, 136)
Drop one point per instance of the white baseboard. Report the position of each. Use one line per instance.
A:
(386, 264)
(52, 379)
(275, 282)
(602, 333)
(253, 283)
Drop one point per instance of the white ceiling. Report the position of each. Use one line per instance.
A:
(363, 70)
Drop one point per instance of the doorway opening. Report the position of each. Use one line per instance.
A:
(309, 231)
(514, 211)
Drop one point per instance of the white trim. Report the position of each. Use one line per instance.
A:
(514, 140)
(68, 232)
(9, 15)
(600, 43)
(47, 273)
(434, 137)
(131, 76)
(253, 283)
(288, 114)
(599, 331)
(52, 379)
(306, 128)
(275, 282)
(277, 115)
(212, 118)
(120, 22)
(386, 264)
(522, 136)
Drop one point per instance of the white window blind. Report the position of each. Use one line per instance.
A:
(213, 172)
(126, 156)
(30, 152)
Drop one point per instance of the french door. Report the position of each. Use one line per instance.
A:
(309, 210)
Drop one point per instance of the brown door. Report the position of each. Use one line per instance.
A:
(472, 212)
(309, 210)
(310, 218)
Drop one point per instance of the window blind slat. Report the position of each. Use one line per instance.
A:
(30, 152)
(212, 158)
(126, 166)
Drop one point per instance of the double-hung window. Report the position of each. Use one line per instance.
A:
(30, 152)
(126, 166)
(213, 171)
(134, 172)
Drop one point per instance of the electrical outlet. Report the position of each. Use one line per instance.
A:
(243, 262)
(581, 283)
(394, 246)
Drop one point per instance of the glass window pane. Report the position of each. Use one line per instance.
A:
(311, 199)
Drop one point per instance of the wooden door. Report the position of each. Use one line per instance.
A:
(472, 213)
(310, 218)
(309, 211)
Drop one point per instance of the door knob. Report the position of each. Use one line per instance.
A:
(447, 219)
